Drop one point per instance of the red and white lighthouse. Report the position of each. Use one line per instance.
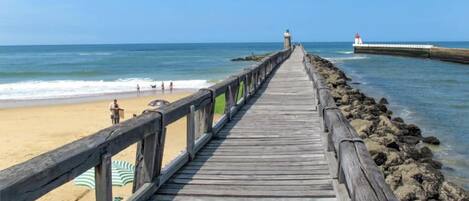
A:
(358, 39)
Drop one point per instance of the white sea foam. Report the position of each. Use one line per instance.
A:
(345, 52)
(339, 59)
(76, 88)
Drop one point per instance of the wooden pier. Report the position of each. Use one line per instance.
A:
(282, 138)
(272, 148)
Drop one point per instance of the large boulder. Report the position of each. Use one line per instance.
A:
(384, 121)
(414, 130)
(450, 191)
(394, 158)
(409, 139)
(409, 193)
(398, 119)
(363, 127)
(383, 101)
(377, 151)
(431, 140)
(435, 164)
(335, 80)
(424, 180)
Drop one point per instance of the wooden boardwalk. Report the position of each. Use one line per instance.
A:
(272, 149)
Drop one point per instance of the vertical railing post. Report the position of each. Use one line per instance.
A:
(271, 66)
(160, 149)
(236, 92)
(228, 102)
(103, 179)
(259, 77)
(151, 149)
(254, 81)
(138, 167)
(245, 89)
(191, 132)
(250, 83)
(209, 111)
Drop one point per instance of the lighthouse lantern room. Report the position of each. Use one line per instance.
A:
(358, 39)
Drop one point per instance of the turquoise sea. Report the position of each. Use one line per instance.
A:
(60, 71)
(432, 94)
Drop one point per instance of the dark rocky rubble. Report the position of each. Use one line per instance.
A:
(398, 148)
(252, 57)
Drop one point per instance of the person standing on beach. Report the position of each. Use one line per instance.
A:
(162, 87)
(171, 87)
(114, 110)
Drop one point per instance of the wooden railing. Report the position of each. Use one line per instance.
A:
(36, 177)
(356, 169)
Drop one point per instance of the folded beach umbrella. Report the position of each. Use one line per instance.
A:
(122, 174)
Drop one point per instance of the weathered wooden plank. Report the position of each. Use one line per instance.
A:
(237, 198)
(254, 172)
(251, 163)
(286, 182)
(273, 151)
(251, 160)
(259, 152)
(258, 193)
(256, 167)
(228, 187)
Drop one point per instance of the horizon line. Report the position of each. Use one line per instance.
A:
(176, 43)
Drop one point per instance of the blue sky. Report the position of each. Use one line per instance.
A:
(176, 21)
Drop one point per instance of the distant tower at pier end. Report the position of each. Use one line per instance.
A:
(287, 39)
(358, 39)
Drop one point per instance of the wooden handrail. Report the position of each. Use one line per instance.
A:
(31, 179)
(363, 179)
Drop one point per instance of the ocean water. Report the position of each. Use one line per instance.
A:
(60, 71)
(432, 94)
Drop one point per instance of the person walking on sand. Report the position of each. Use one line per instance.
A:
(114, 110)
(138, 89)
(171, 87)
(162, 87)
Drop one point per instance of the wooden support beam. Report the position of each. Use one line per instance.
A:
(228, 95)
(103, 179)
(245, 89)
(191, 133)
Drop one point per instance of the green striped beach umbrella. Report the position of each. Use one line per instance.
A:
(122, 174)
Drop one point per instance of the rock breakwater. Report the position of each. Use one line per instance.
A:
(398, 148)
(252, 57)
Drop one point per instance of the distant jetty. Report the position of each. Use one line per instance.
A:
(252, 57)
(458, 55)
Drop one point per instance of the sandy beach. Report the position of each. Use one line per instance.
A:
(27, 132)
